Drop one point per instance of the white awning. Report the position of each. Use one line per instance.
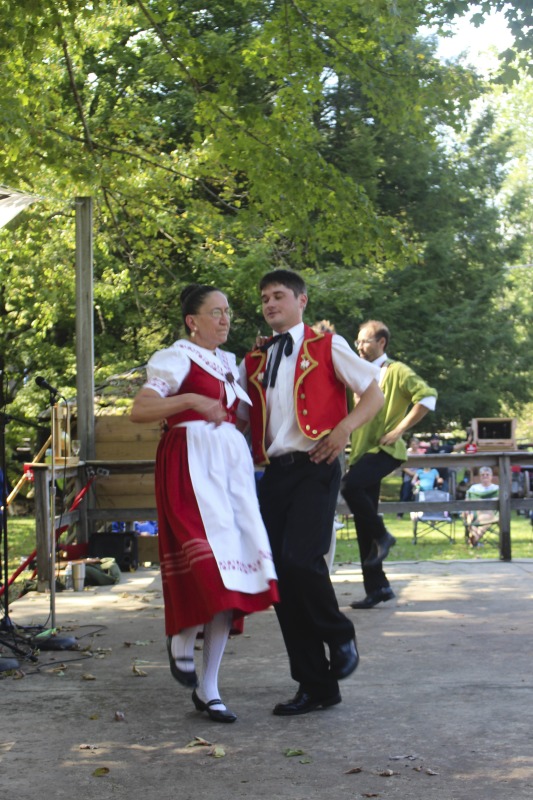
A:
(12, 202)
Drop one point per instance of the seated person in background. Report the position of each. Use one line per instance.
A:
(436, 445)
(427, 479)
(408, 473)
(478, 522)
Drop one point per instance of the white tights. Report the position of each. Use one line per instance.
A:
(216, 633)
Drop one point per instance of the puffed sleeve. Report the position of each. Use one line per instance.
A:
(166, 370)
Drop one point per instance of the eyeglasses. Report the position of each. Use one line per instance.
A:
(359, 342)
(218, 313)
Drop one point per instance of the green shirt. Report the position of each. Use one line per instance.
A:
(402, 387)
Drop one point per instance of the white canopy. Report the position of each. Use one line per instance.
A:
(11, 203)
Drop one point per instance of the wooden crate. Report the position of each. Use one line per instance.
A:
(119, 439)
(494, 433)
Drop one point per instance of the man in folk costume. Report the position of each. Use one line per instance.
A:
(299, 425)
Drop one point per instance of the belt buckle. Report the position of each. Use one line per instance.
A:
(286, 459)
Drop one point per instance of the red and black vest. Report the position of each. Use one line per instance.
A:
(319, 396)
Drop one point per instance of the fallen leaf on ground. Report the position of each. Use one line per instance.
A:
(431, 772)
(386, 773)
(354, 771)
(120, 716)
(217, 752)
(87, 677)
(198, 742)
(88, 747)
(290, 752)
(139, 673)
(101, 771)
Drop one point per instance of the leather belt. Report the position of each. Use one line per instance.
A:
(287, 459)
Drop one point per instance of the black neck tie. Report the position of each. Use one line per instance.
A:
(284, 345)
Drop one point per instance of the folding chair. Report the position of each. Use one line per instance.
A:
(425, 522)
(482, 526)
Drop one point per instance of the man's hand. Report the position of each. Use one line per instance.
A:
(391, 437)
(330, 447)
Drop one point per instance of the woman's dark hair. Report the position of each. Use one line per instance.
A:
(192, 298)
(286, 277)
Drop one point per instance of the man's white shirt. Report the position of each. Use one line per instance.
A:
(283, 434)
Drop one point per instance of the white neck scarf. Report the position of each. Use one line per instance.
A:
(217, 365)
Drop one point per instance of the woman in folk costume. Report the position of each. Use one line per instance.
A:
(216, 562)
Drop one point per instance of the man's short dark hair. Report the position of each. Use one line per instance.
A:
(286, 277)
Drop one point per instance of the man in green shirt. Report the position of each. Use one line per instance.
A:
(377, 449)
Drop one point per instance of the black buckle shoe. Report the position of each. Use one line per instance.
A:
(188, 679)
(215, 714)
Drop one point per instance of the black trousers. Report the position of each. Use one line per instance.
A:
(360, 488)
(298, 506)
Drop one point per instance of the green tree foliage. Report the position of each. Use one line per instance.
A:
(219, 140)
(518, 15)
(453, 313)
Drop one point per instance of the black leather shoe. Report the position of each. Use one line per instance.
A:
(372, 599)
(215, 714)
(189, 679)
(343, 659)
(303, 703)
(379, 550)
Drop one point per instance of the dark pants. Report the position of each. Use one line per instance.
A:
(406, 490)
(298, 507)
(360, 488)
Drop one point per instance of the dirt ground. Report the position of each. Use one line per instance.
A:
(440, 707)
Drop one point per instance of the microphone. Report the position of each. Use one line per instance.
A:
(42, 383)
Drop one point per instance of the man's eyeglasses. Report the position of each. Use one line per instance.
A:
(359, 342)
(218, 313)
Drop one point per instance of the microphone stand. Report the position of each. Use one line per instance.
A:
(53, 394)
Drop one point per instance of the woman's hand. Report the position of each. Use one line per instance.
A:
(211, 410)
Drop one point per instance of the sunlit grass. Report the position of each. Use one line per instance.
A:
(435, 547)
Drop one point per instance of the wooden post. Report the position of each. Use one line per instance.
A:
(41, 482)
(84, 337)
(504, 498)
(84, 327)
